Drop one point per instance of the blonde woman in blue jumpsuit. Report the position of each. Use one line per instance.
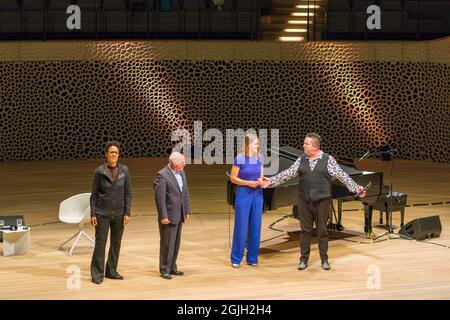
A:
(247, 173)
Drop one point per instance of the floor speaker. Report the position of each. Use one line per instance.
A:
(422, 228)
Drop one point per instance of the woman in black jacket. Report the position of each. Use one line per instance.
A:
(110, 209)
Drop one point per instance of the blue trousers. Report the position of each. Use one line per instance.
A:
(248, 215)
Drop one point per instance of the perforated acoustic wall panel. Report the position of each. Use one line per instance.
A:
(63, 100)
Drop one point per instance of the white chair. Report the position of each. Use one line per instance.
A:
(76, 210)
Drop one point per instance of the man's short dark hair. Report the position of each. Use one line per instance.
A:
(315, 138)
(109, 144)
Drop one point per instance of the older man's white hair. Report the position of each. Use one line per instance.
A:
(176, 157)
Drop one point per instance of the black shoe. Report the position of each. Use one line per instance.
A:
(302, 265)
(166, 276)
(115, 277)
(97, 281)
(326, 265)
(177, 273)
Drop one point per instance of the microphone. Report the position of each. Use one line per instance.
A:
(365, 155)
(364, 189)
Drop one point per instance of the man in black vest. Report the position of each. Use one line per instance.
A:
(316, 170)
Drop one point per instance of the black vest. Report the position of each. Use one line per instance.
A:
(314, 185)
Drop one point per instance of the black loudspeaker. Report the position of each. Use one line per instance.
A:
(11, 221)
(422, 228)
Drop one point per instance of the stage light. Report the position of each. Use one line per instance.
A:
(295, 30)
(298, 22)
(302, 14)
(305, 6)
(291, 38)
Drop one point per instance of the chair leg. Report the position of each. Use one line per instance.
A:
(68, 240)
(91, 241)
(77, 236)
(381, 216)
(402, 215)
(75, 242)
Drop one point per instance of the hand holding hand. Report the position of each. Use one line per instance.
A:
(253, 184)
(265, 182)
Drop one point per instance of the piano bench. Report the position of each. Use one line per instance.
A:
(390, 203)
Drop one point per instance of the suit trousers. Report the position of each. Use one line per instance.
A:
(104, 223)
(310, 213)
(169, 245)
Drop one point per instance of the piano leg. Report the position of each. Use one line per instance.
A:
(339, 220)
(368, 210)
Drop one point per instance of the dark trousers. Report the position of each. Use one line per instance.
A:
(169, 245)
(101, 236)
(310, 212)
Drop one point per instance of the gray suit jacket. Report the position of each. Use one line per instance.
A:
(170, 202)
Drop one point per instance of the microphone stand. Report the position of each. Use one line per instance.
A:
(390, 229)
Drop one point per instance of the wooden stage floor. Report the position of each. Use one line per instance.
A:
(393, 269)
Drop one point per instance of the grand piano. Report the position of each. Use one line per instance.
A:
(286, 194)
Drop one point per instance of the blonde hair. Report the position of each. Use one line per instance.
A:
(249, 138)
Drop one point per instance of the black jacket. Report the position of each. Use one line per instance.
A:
(111, 198)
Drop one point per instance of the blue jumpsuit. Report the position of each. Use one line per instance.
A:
(248, 211)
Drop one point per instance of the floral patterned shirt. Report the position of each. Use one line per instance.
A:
(333, 167)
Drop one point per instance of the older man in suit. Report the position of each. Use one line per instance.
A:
(172, 203)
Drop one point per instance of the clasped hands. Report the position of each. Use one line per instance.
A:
(263, 182)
